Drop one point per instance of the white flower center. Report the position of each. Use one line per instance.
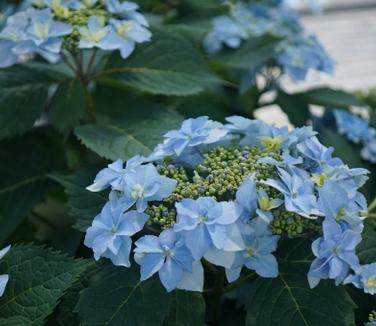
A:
(138, 192)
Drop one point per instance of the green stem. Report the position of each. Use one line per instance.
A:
(372, 206)
(89, 100)
(371, 215)
(91, 62)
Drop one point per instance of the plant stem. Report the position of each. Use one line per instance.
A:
(89, 100)
(372, 206)
(91, 62)
(371, 215)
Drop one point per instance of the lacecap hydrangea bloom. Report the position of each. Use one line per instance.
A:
(358, 131)
(297, 53)
(225, 195)
(51, 27)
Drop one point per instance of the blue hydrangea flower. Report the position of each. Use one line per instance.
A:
(335, 203)
(186, 143)
(304, 53)
(111, 231)
(4, 278)
(354, 128)
(127, 10)
(82, 4)
(298, 191)
(124, 35)
(260, 243)
(204, 223)
(369, 151)
(144, 184)
(114, 174)
(316, 154)
(167, 255)
(226, 31)
(43, 27)
(7, 56)
(95, 34)
(335, 254)
(364, 278)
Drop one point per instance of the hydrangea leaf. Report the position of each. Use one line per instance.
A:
(288, 300)
(67, 105)
(366, 250)
(83, 205)
(134, 133)
(253, 52)
(325, 96)
(21, 188)
(38, 277)
(296, 108)
(168, 65)
(118, 297)
(22, 98)
(15, 321)
(186, 308)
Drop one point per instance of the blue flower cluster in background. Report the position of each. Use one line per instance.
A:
(48, 28)
(214, 193)
(298, 52)
(357, 131)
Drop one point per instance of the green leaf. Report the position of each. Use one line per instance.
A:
(296, 108)
(288, 300)
(126, 135)
(68, 104)
(186, 309)
(253, 52)
(22, 99)
(15, 321)
(83, 205)
(118, 297)
(24, 165)
(331, 98)
(366, 250)
(168, 65)
(37, 279)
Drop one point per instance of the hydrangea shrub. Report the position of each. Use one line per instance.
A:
(136, 188)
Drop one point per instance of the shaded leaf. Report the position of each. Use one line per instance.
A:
(325, 96)
(253, 52)
(126, 135)
(296, 108)
(186, 309)
(37, 279)
(25, 163)
(366, 250)
(83, 205)
(168, 65)
(288, 300)
(67, 105)
(118, 297)
(22, 99)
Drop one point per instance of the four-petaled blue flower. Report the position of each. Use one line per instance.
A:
(335, 254)
(260, 243)
(364, 278)
(204, 223)
(167, 255)
(144, 184)
(114, 174)
(186, 143)
(298, 191)
(111, 231)
(124, 35)
(335, 203)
